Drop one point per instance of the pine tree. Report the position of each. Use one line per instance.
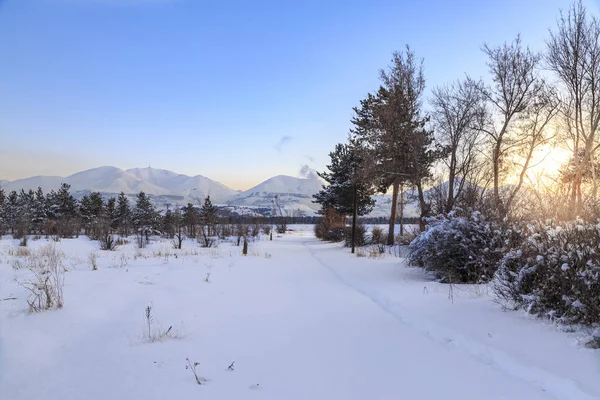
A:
(85, 210)
(2, 212)
(391, 129)
(63, 208)
(12, 211)
(123, 215)
(342, 175)
(208, 216)
(67, 205)
(51, 206)
(110, 214)
(40, 211)
(25, 204)
(168, 226)
(96, 214)
(97, 205)
(191, 218)
(144, 217)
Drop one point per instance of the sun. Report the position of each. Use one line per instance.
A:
(546, 163)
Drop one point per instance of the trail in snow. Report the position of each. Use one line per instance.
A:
(557, 386)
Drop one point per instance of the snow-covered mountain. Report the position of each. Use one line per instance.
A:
(197, 186)
(47, 183)
(112, 180)
(282, 185)
(294, 195)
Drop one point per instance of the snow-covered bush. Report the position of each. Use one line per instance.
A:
(459, 249)
(554, 273)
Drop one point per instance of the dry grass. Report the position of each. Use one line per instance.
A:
(45, 287)
(376, 252)
(93, 260)
(154, 331)
(19, 252)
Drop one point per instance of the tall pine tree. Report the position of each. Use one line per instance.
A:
(392, 130)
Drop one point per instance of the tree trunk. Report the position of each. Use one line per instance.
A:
(401, 213)
(496, 162)
(395, 187)
(354, 212)
(592, 166)
(574, 185)
(450, 199)
(423, 206)
(451, 178)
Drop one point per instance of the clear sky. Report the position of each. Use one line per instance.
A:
(238, 91)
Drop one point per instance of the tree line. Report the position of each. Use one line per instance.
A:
(58, 214)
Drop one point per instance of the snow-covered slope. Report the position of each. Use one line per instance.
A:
(383, 207)
(283, 184)
(47, 183)
(195, 186)
(111, 180)
(294, 195)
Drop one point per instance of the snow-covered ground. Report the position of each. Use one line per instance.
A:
(301, 319)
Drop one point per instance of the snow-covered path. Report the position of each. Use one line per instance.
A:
(300, 318)
(444, 339)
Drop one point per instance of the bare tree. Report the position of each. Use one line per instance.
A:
(532, 132)
(515, 87)
(458, 116)
(574, 56)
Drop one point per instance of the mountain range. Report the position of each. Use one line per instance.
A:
(168, 187)
(294, 195)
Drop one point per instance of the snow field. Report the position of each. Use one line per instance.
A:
(301, 319)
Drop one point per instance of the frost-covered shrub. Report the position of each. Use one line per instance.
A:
(554, 273)
(459, 249)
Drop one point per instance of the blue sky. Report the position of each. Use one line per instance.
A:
(238, 91)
